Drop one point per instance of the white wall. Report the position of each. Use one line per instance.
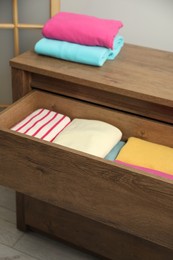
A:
(146, 22)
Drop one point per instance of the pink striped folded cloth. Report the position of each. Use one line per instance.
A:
(43, 124)
(82, 29)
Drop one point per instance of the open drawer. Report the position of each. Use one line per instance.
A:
(125, 199)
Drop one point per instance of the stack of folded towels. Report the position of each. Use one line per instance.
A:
(100, 139)
(80, 38)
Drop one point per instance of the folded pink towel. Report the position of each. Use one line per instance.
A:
(43, 124)
(154, 172)
(82, 29)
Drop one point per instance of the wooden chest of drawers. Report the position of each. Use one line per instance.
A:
(110, 210)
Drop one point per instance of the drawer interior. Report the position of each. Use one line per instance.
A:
(129, 124)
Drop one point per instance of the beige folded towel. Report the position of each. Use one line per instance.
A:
(89, 136)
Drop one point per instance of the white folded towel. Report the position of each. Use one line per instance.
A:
(89, 136)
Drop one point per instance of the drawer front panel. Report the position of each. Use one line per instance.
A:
(88, 186)
(104, 97)
(89, 234)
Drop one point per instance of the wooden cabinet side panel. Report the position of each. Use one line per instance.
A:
(20, 87)
(20, 83)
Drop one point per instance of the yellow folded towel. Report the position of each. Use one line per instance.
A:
(146, 154)
(89, 136)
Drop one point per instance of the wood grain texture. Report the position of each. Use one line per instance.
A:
(89, 234)
(132, 202)
(138, 72)
(132, 82)
(131, 212)
(104, 98)
(20, 212)
(98, 194)
(20, 87)
(20, 83)
(17, 111)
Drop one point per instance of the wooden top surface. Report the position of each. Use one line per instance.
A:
(138, 72)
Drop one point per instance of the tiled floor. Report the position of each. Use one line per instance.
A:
(16, 245)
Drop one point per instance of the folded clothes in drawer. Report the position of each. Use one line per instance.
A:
(115, 151)
(90, 136)
(43, 124)
(148, 170)
(147, 156)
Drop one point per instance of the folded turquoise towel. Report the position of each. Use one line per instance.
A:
(92, 55)
(111, 156)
